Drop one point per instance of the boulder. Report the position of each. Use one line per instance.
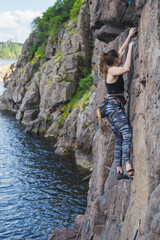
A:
(6, 101)
(78, 222)
(82, 159)
(63, 234)
(58, 88)
(85, 125)
(152, 221)
(31, 99)
(20, 88)
(26, 55)
(29, 116)
(110, 18)
(50, 49)
(67, 139)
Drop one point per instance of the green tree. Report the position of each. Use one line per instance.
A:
(35, 22)
(53, 20)
(10, 50)
(75, 10)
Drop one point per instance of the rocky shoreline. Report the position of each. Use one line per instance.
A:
(3, 70)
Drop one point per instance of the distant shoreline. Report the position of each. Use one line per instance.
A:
(7, 58)
(3, 70)
(5, 61)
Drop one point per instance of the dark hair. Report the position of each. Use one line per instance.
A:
(107, 59)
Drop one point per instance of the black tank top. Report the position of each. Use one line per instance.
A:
(116, 87)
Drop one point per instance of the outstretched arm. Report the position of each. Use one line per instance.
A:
(126, 67)
(125, 44)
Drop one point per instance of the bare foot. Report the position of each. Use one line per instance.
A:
(128, 166)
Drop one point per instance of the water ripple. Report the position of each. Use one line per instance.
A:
(39, 190)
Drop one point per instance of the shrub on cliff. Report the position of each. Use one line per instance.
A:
(53, 20)
(84, 85)
(75, 10)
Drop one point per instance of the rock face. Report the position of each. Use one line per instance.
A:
(50, 49)
(38, 90)
(110, 18)
(114, 207)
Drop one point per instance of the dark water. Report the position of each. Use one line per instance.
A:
(39, 190)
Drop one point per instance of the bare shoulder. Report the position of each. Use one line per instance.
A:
(110, 77)
(116, 71)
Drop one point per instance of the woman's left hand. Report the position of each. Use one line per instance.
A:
(132, 31)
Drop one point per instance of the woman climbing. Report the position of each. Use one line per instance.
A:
(115, 114)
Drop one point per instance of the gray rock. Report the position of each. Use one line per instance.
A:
(8, 75)
(78, 222)
(63, 234)
(20, 88)
(152, 221)
(114, 206)
(50, 49)
(31, 99)
(29, 116)
(85, 127)
(83, 160)
(56, 88)
(109, 18)
(6, 101)
(67, 140)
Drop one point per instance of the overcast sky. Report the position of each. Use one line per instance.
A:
(16, 17)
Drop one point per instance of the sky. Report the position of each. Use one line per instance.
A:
(16, 17)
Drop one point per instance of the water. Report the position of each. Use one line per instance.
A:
(7, 61)
(2, 88)
(39, 190)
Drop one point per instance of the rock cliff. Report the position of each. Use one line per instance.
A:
(114, 207)
(40, 87)
(38, 90)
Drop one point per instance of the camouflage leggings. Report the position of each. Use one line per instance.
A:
(117, 118)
